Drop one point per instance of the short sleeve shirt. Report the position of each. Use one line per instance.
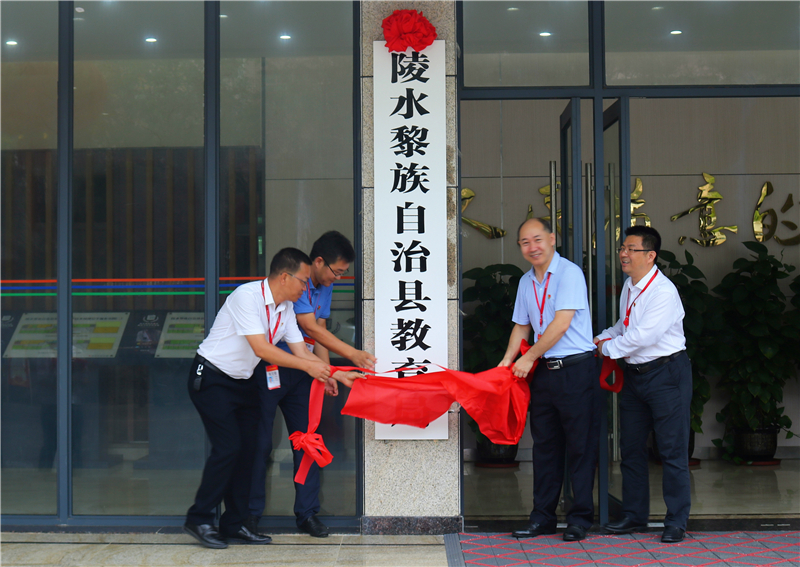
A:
(316, 300)
(245, 313)
(566, 291)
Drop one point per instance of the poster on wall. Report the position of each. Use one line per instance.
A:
(182, 334)
(410, 219)
(94, 335)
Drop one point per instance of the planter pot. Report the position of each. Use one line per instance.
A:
(758, 445)
(496, 455)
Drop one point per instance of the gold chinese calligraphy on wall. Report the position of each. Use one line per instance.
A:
(766, 223)
(710, 233)
(489, 231)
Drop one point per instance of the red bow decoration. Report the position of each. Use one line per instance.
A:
(408, 28)
(610, 365)
(311, 442)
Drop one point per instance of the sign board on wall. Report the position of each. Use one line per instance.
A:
(410, 157)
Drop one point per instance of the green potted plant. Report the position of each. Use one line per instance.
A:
(756, 352)
(701, 324)
(486, 333)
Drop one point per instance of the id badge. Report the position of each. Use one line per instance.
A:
(273, 377)
(538, 337)
(310, 344)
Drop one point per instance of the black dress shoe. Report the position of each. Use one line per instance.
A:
(624, 526)
(534, 530)
(574, 532)
(314, 527)
(246, 536)
(206, 534)
(672, 534)
(251, 523)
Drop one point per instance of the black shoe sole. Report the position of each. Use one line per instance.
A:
(204, 543)
(525, 536)
(637, 530)
(238, 541)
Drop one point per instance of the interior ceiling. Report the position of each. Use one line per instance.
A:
(117, 29)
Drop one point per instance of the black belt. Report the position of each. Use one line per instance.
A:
(653, 364)
(200, 360)
(558, 363)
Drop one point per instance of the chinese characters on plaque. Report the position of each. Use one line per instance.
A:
(410, 219)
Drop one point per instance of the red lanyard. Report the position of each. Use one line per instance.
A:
(544, 296)
(630, 305)
(270, 332)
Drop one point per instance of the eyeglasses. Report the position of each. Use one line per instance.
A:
(337, 275)
(631, 250)
(304, 282)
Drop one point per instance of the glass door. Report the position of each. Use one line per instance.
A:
(584, 206)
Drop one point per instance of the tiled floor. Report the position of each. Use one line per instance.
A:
(778, 549)
(152, 550)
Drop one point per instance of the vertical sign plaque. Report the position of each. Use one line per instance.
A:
(410, 219)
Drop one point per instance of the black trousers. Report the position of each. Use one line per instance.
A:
(229, 410)
(657, 401)
(565, 422)
(292, 398)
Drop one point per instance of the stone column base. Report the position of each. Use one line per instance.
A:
(411, 525)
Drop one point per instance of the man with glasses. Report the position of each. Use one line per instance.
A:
(332, 254)
(223, 388)
(648, 340)
(553, 307)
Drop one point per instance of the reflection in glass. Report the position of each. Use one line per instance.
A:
(28, 164)
(137, 256)
(526, 44)
(286, 177)
(718, 45)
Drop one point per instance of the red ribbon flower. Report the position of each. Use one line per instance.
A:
(406, 28)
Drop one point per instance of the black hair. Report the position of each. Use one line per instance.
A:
(545, 223)
(651, 240)
(288, 260)
(332, 247)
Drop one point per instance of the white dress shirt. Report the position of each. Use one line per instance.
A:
(655, 327)
(244, 313)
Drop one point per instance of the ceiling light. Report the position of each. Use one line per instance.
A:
(286, 36)
(676, 32)
(657, 8)
(223, 15)
(151, 40)
(11, 42)
(513, 9)
(78, 19)
(545, 34)
(79, 10)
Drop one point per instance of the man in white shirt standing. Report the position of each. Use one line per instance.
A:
(648, 339)
(251, 322)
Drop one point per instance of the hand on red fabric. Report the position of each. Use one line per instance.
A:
(599, 344)
(331, 388)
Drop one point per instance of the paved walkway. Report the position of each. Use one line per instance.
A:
(778, 549)
(152, 550)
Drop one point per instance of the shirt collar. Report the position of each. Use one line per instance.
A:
(269, 300)
(643, 282)
(551, 269)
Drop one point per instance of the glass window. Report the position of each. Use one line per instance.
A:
(286, 177)
(517, 44)
(138, 445)
(702, 43)
(28, 163)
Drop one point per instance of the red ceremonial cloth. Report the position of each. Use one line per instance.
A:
(311, 441)
(496, 399)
